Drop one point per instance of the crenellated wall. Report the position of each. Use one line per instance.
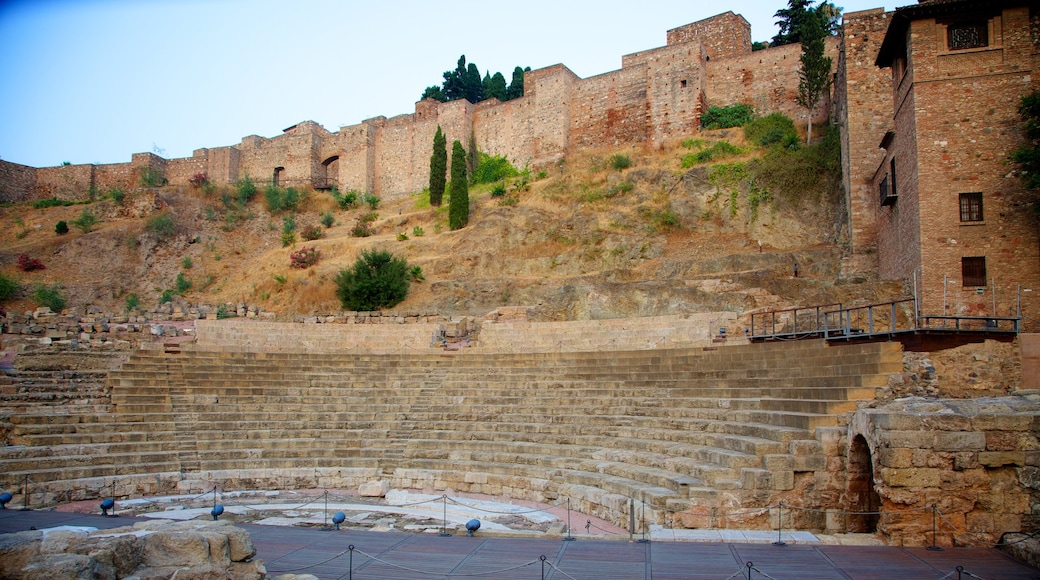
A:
(657, 95)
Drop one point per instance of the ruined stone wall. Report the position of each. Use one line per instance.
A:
(183, 169)
(606, 108)
(976, 460)
(766, 79)
(723, 36)
(72, 182)
(863, 113)
(968, 140)
(16, 182)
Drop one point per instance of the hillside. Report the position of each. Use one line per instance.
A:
(582, 239)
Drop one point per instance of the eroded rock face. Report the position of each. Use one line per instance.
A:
(152, 549)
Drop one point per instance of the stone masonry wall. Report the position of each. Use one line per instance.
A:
(16, 181)
(724, 36)
(976, 460)
(863, 113)
(657, 95)
(969, 139)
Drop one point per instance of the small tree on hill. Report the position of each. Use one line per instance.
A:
(814, 77)
(377, 280)
(458, 210)
(438, 168)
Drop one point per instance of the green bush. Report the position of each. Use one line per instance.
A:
(773, 129)
(181, 284)
(132, 301)
(327, 219)
(719, 150)
(372, 201)
(347, 200)
(499, 189)
(377, 280)
(8, 287)
(117, 194)
(620, 161)
(311, 233)
(161, 226)
(803, 174)
(281, 199)
(492, 168)
(245, 190)
(51, 202)
(85, 222)
(61, 228)
(418, 232)
(49, 296)
(150, 177)
(728, 116)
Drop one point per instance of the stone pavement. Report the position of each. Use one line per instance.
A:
(398, 555)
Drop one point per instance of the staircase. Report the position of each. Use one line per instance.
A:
(674, 428)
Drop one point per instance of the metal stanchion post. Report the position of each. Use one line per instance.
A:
(780, 527)
(350, 563)
(444, 520)
(933, 547)
(643, 540)
(25, 495)
(568, 537)
(750, 565)
(542, 558)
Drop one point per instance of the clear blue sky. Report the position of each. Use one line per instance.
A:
(95, 81)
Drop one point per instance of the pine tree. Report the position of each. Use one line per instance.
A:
(799, 14)
(516, 86)
(474, 89)
(438, 168)
(433, 92)
(455, 81)
(495, 87)
(458, 204)
(814, 77)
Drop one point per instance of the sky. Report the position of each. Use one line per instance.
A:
(94, 81)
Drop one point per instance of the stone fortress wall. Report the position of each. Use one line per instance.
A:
(657, 95)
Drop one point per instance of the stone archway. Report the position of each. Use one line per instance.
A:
(330, 168)
(862, 495)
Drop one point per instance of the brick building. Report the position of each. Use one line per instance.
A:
(950, 213)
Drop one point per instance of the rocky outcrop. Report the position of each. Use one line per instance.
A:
(154, 549)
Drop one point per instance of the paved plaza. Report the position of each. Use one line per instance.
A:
(406, 556)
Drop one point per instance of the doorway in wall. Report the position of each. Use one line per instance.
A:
(864, 501)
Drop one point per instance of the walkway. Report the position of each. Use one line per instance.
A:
(401, 556)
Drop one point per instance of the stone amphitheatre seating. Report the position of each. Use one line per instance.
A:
(672, 427)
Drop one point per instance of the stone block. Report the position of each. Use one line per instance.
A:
(908, 439)
(804, 448)
(778, 462)
(960, 441)
(1017, 422)
(782, 480)
(374, 488)
(472, 477)
(911, 477)
(1002, 458)
(899, 457)
(810, 463)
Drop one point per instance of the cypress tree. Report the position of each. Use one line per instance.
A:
(438, 168)
(458, 204)
(473, 86)
(814, 77)
(455, 81)
(516, 86)
(496, 87)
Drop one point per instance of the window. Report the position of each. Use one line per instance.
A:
(892, 175)
(973, 271)
(682, 84)
(971, 206)
(962, 35)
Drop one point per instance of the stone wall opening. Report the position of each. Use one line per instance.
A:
(276, 177)
(330, 179)
(863, 498)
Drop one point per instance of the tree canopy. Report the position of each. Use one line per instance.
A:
(800, 14)
(438, 168)
(465, 82)
(1027, 156)
(814, 76)
(377, 280)
(458, 203)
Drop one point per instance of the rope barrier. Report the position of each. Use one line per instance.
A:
(429, 573)
(555, 567)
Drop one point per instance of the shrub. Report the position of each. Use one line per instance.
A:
(415, 274)
(498, 190)
(620, 161)
(49, 296)
(186, 263)
(132, 301)
(304, 257)
(281, 199)
(720, 150)
(150, 177)
(28, 264)
(327, 219)
(181, 284)
(50, 202)
(117, 194)
(199, 180)
(61, 228)
(401, 236)
(361, 228)
(377, 280)
(347, 200)
(311, 233)
(773, 129)
(800, 174)
(372, 201)
(728, 116)
(161, 226)
(418, 232)
(85, 222)
(245, 190)
(8, 287)
(288, 230)
(492, 168)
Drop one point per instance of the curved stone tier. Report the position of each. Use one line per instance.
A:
(671, 431)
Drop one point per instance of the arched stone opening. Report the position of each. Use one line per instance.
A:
(864, 503)
(330, 170)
